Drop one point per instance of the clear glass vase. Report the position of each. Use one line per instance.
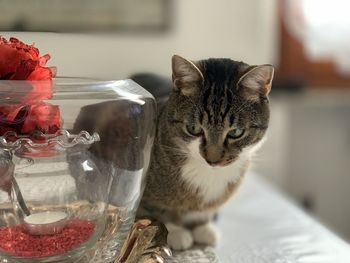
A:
(90, 166)
(42, 179)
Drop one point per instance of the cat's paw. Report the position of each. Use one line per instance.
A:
(179, 238)
(206, 234)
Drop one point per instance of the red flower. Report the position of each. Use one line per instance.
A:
(21, 102)
(19, 61)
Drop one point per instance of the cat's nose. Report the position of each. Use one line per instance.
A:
(213, 155)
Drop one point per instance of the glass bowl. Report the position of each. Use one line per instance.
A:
(72, 173)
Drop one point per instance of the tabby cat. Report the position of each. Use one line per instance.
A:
(207, 132)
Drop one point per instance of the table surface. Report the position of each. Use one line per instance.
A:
(261, 225)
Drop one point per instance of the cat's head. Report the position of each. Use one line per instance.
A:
(220, 106)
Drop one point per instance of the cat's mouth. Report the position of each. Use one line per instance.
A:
(221, 163)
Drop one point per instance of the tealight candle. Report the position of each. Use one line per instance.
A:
(45, 223)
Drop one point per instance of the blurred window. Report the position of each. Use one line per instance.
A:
(323, 27)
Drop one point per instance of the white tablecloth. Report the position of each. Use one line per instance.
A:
(260, 225)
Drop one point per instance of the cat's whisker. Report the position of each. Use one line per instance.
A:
(184, 153)
(244, 106)
(199, 158)
(174, 150)
(258, 158)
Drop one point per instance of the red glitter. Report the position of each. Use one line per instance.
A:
(16, 241)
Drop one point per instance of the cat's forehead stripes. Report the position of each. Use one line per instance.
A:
(229, 101)
(216, 103)
(207, 101)
(218, 88)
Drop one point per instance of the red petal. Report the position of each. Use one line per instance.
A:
(24, 70)
(12, 117)
(53, 71)
(13, 111)
(44, 59)
(10, 59)
(42, 116)
(19, 45)
(40, 73)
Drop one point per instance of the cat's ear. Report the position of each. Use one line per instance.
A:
(186, 75)
(256, 82)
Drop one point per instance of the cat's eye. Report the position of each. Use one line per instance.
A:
(194, 130)
(235, 133)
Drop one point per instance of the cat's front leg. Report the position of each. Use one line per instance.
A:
(203, 229)
(206, 234)
(179, 238)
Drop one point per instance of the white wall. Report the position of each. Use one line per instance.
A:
(239, 29)
(273, 159)
(308, 153)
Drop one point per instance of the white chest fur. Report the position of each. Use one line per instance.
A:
(212, 181)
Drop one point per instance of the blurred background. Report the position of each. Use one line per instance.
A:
(307, 153)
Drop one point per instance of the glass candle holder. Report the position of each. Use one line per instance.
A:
(43, 215)
(72, 185)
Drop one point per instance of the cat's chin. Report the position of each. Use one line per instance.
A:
(221, 164)
(218, 166)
